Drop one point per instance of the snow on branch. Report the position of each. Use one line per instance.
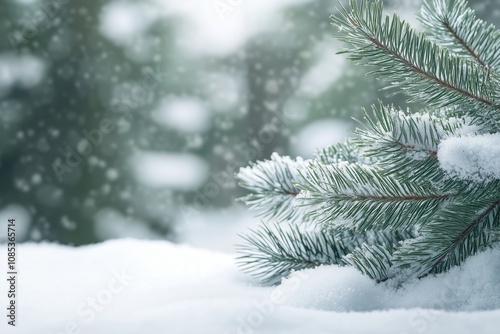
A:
(453, 25)
(273, 186)
(272, 252)
(473, 158)
(361, 197)
(413, 63)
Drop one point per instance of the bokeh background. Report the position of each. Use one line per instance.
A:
(129, 118)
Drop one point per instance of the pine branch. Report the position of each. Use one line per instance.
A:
(382, 201)
(354, 196)
(411, 62)
(340, 152)
(455, 233)
(375, 261)
(406, 144)
(274, 192)
(271, 253)
(452, 24)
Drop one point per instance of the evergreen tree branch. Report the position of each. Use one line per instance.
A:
(271, 252)
(407, 144)
(449, 238)
(354, 196)
(273, 185)
(382, 201)
(340, 152)
(413, 63)
(375, 261)
(452, 24)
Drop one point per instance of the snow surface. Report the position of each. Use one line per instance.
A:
(129, 286)
(471, 158)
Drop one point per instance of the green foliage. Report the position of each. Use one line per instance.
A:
(272, 252)
(380, 202)
(273, 183)
(452, 25)
(360, 197)
(411, 62)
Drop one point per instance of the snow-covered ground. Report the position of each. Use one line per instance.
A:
(130, 286)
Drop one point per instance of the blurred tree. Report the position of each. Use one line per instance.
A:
(68, 66)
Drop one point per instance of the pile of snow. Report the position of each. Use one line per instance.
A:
(471, 158)
(129, 286)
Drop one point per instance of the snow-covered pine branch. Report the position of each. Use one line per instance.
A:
(430, 179)
(271, 252)
(453, 25)
(406, 143)
(360, 197)
(455, 233)
(273, 186)
(414, 64)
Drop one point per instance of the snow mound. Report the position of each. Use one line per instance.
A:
(471, 158)
(130, 286)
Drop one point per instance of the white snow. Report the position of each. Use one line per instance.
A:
(181, 171)
(471, 158)
(130, 286)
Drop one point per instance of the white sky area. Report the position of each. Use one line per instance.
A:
(214, 229)
(317, 135)
(204, 27)
(124, 21)
(180, 171)
(184, 114)
(325, 71)
(111, 224)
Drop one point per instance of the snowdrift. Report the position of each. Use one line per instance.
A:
(130, 286)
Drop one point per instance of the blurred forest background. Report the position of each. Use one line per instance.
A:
(129, 118)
